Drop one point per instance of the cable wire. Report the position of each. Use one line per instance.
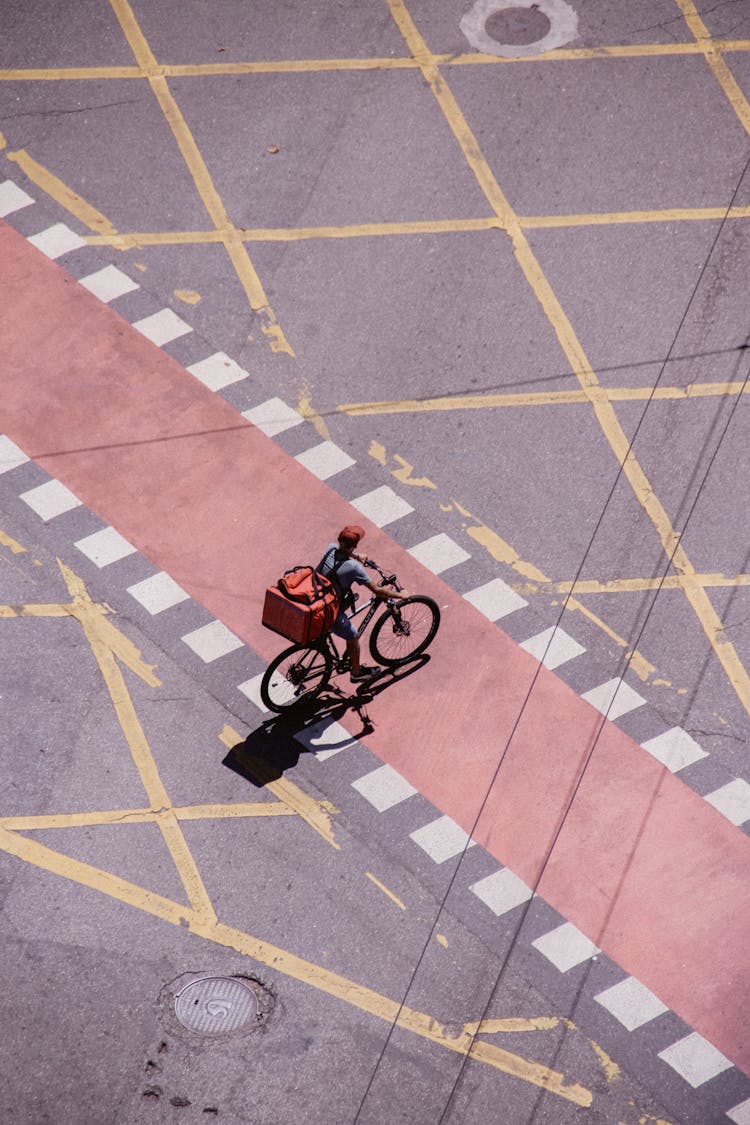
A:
(532, 685)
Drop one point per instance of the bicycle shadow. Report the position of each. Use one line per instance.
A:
(277, 743)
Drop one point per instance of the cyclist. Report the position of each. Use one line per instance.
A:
(347, 564)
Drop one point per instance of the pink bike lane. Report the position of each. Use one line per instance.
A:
(645, 867)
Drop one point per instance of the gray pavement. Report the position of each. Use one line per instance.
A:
(621, 168)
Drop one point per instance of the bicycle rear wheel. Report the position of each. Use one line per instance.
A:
(297, 675)
(404, 630)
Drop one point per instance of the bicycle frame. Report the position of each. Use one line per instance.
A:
(369, 608)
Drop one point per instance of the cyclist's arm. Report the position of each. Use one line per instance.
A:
(381, 591)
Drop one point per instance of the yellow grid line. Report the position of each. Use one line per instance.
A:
(198, 169)
(304, 66)
(713, 56)
(571, 346)
(280, 960)
(198, 914)
(232, 237)
(131, 239)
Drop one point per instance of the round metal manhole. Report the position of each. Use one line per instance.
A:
(217, 1005)
(517, 25)
(519, 28)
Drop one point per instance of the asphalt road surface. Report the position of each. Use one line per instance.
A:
(480, 286)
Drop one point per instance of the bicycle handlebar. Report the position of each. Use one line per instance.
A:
(388, 579)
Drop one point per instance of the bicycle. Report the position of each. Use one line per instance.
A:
(300, 673)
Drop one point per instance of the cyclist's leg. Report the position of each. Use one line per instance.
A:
(344, 627)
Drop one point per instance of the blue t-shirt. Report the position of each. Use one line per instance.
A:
(349, 572)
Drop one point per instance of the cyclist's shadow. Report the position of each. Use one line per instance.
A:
(275, 746)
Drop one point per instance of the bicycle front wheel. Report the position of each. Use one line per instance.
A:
(404, 630)
(297, 675)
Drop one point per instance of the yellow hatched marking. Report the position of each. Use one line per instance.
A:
(134, 239)
(302, 66)
(90, 619)
(14, 547)
(68, 73)
(143, 816)
(712, 52)
(635, 585)
(381, 887)
(280, 960)
(578, 54)
(613, 218)
(198, 169)
(63, 195)
(576, 356)
(577, 397)
(316, 813)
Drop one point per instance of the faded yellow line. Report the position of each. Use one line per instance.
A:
(9, 542)
(303, 66)
(579, 364)
(68, 73)
(513, 1025)
(635, 585)
(498, 549)
(135, 239)
(712, 53)
(91, 621)
(242, 810)
(198, 169)
(280, 960)
(613, 218)
(287, 66)
(576, 397)
(249, 809)
(381, 887)
(583, 54)
(77, 820)
(35, 610)
(62, 194)
(315, 813)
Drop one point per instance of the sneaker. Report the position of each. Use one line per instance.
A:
(365, 673)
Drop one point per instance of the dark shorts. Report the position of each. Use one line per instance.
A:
(344, 628)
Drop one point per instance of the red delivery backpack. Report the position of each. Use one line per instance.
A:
(303, 604)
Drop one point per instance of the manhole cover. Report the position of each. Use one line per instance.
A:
(519, 28)
(517, 25)
(217, 1005)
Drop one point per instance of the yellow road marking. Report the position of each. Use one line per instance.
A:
(573, 397)
(503, 552)
(573, 350)
(634, 585)
(198, 169)
(67, 73)
(133, 239)
(384, 889)
(280, 960)
(302, 66)
(712, 53)
(62, 194)
(308, 411)
(247, 809)
(98, 632)
(315, 813)
(513, 1025)
(577, 54)
(14, 547)
(614, 218)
